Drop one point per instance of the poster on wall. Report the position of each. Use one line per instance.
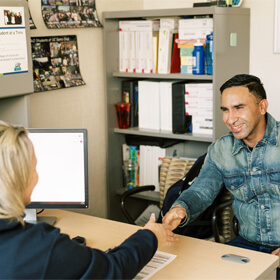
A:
(55, 63)
(13, 51)
(70, 13)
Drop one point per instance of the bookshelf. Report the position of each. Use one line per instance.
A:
(227, 62)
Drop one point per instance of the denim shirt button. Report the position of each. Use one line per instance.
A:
(232, 187)
(262, 207)
(255, 168)
(264, 230)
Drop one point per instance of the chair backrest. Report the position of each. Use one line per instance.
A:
(171, 171)
(170, 189)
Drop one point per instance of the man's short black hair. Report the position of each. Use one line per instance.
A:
(251, 82)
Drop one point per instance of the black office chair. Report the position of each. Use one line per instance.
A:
(216, 223)
(128, 194)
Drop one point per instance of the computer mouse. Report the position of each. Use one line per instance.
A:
(80, 240)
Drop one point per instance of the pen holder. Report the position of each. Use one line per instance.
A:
(123, 112)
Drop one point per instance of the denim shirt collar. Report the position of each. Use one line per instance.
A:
(270, 136)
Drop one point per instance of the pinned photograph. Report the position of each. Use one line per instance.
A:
(70, 13)
(55, 63)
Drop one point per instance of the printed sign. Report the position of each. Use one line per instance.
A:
(13, 47)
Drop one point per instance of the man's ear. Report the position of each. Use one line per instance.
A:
(263, 106)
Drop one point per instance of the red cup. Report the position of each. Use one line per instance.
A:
(123, 112)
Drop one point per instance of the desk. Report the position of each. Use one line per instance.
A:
(196, 259)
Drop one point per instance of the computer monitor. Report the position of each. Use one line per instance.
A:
(62, 166)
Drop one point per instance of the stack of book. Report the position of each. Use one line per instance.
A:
(186, 57)
(193, 29)
(148, 46)
(170, 106)
(160, 46)
(155, 105)
(136, 45)
(199, 105)
(149, 159)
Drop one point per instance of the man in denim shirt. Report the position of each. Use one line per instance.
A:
(247, 162)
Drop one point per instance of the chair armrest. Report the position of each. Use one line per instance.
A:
(129, 193)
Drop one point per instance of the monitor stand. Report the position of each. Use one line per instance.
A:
(31, 217)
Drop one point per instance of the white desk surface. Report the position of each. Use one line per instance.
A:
(196, 259)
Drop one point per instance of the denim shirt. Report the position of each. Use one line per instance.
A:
(252, 178)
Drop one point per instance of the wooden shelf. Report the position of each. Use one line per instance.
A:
(175, 76)
(165, 134)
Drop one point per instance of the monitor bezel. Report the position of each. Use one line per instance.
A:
(59, 205)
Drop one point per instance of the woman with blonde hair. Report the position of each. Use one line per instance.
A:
(39, 251)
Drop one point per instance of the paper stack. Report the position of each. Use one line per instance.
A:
(195, 29)
(199, 105)
(151, 158)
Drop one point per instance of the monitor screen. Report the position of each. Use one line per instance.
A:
(62, 168)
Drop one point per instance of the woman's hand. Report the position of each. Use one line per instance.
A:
(163, 232)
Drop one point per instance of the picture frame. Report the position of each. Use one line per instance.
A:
(277, 27)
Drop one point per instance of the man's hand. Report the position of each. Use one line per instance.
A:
(164, 233)
(174, 216)
(276, 253)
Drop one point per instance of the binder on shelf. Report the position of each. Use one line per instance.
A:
(151, 158)
(155, 53)
(149, 105)
(175, 57)
(136, 36)
(132, 88)
(166, 105)
(164, 50)
(180, 121)
(168, 27)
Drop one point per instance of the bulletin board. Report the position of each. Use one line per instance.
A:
(15, 54)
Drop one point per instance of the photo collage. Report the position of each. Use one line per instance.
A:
(55, 63)
(70, 13)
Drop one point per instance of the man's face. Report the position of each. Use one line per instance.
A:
(244, 114)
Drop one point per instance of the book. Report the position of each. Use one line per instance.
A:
(131, 86)
(155, 53)
(166, 105)
(175, 57)
(180, 121)
(151, 158)
(149, 105)
(199, 105)
(136, 45)
(164, 50)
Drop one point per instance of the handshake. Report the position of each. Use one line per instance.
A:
(170, 221)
